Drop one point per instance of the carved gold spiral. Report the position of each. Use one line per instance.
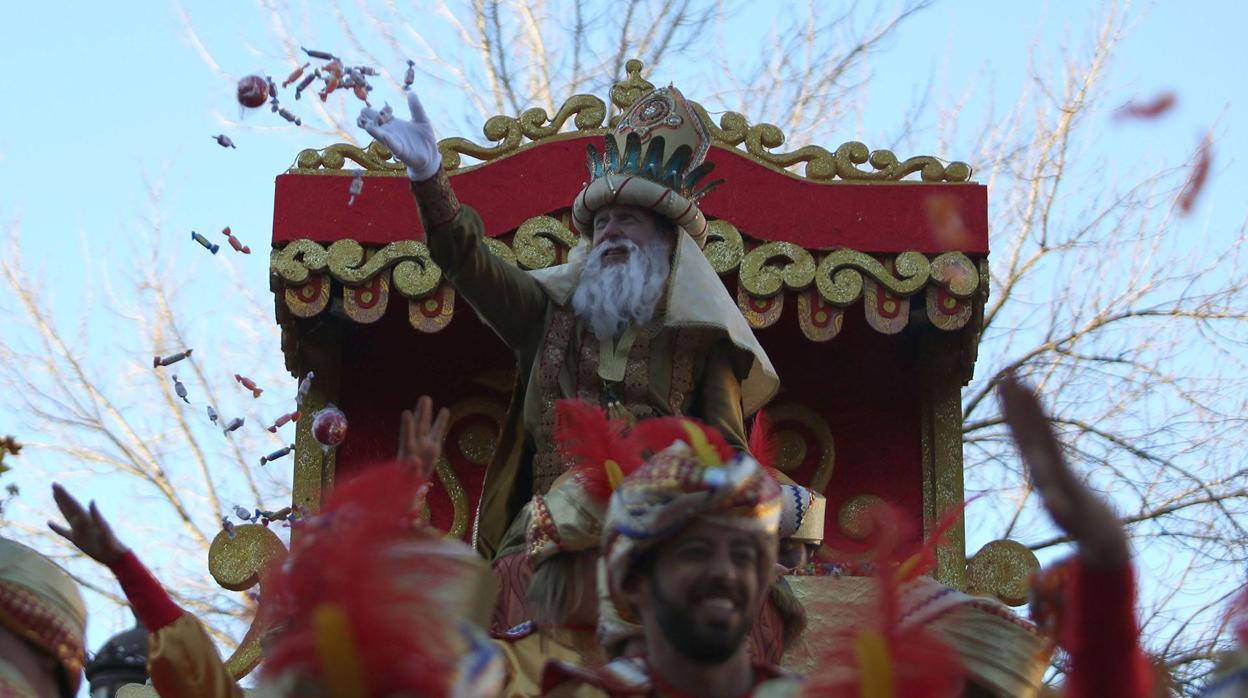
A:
(500, 249)
(839, 276)
(956, 273)
(761, 276)
(536, 239)
(375, 158)
(414, 273)
(631, 88)
(731, 130)
(472, 447)
(854, 517)
(236, 562)
(1002, 569)
(724, 246)
(820, 164)
(886, 166)
(793, 447)
(587, 113)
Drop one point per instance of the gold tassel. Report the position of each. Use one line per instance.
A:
(340, 664)
(874, 664)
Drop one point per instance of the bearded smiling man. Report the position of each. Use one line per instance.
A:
(637, 321)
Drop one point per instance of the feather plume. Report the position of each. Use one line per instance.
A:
(348, 610)
(654, 435)
(763, 442)
(600, 452)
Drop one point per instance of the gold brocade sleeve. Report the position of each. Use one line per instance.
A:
(505, 297)
(718, 398)
(183, 662)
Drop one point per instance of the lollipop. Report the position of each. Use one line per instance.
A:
(329, 427)
(253, 90)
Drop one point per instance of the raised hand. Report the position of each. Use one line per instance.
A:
(412, 142)
(420, 436)
(1074, 507)
(88, 530)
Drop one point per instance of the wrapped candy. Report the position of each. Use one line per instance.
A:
(361, 93)
(238, 246)
(282, 420)
(285, 114)
(329, 427)
(224, 141)
(367, 70)
(204, 242)
(253, 91)
(357, 186)
(249, 384)
(304, 386)
(227, 526)
(180, 389)
(242, 513)
(411, 75)
(158, 361)
(319, 55)
(212, 415)
(304, 84)
(295, 75)
(234, 425)
(279, 453)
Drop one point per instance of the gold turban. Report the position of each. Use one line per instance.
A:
(40, 603)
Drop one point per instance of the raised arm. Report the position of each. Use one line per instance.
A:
(1099, 631)
(181, 658)
(506, 298)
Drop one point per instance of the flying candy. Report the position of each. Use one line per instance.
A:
(204, 241)
(180, 389)
(306, 81)
(304, 386)
(242, 513)
(361, 93)
(234, 425)
(1196, 180)
(282, 420)
(1151, 110)
(357, 185)
(279, 453)
(411, 75)
(329, 427)
(212, 415)
(253, 90)
(238, 246)
(228, 527)
(158, 361)
(295, 75)
(319, 55)
(224, 141)
(282, 112)
(249, 384)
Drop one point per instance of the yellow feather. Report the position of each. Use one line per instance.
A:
(875, 665)
(341, 668)
(614, 474)
(702, 448)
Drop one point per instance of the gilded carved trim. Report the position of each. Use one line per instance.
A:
(236, 561)
(825, 282)
(588, 114)
(1002, 570)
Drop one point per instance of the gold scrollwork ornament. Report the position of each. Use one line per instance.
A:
(761, 276)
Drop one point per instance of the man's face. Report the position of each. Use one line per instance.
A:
(703, 591)
(615, 223)
(793, 554)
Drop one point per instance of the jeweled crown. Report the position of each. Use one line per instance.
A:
(659, 138)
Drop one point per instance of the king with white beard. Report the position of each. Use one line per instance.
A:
(637, 320)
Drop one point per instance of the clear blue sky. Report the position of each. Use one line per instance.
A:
(100, 98)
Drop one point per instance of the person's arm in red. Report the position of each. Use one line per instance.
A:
(151, 602)
(1102, 635)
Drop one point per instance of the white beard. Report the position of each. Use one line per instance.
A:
(611, 297)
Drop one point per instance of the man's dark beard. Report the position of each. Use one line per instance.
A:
(687, 638)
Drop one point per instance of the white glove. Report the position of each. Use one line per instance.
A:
(412, 142)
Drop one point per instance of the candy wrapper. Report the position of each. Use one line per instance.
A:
(329, 427)
(180, 389)
(212, 415)
(158, 361)
(224, 141)
(304, 386)
(234, 425)
(238, 246)
(282, 420)
(298, 73)
(410, 77)
(203, 241)
(227, 526)
(279, 453)
(357, 186)
(249, 384)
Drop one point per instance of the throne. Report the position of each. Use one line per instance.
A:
(866, 289)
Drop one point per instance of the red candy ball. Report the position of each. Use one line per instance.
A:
(253, 90)
(329, 427)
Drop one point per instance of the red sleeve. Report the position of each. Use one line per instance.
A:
(1103, 636)
(150, 600)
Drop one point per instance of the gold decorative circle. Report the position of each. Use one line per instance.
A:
(890, 306)
(854, 517)
(366, 297)
(236, 563)
(431, 305)
(477, 443)
(790, 450)
(821, 317)
(1002, 569)
(950, 302)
